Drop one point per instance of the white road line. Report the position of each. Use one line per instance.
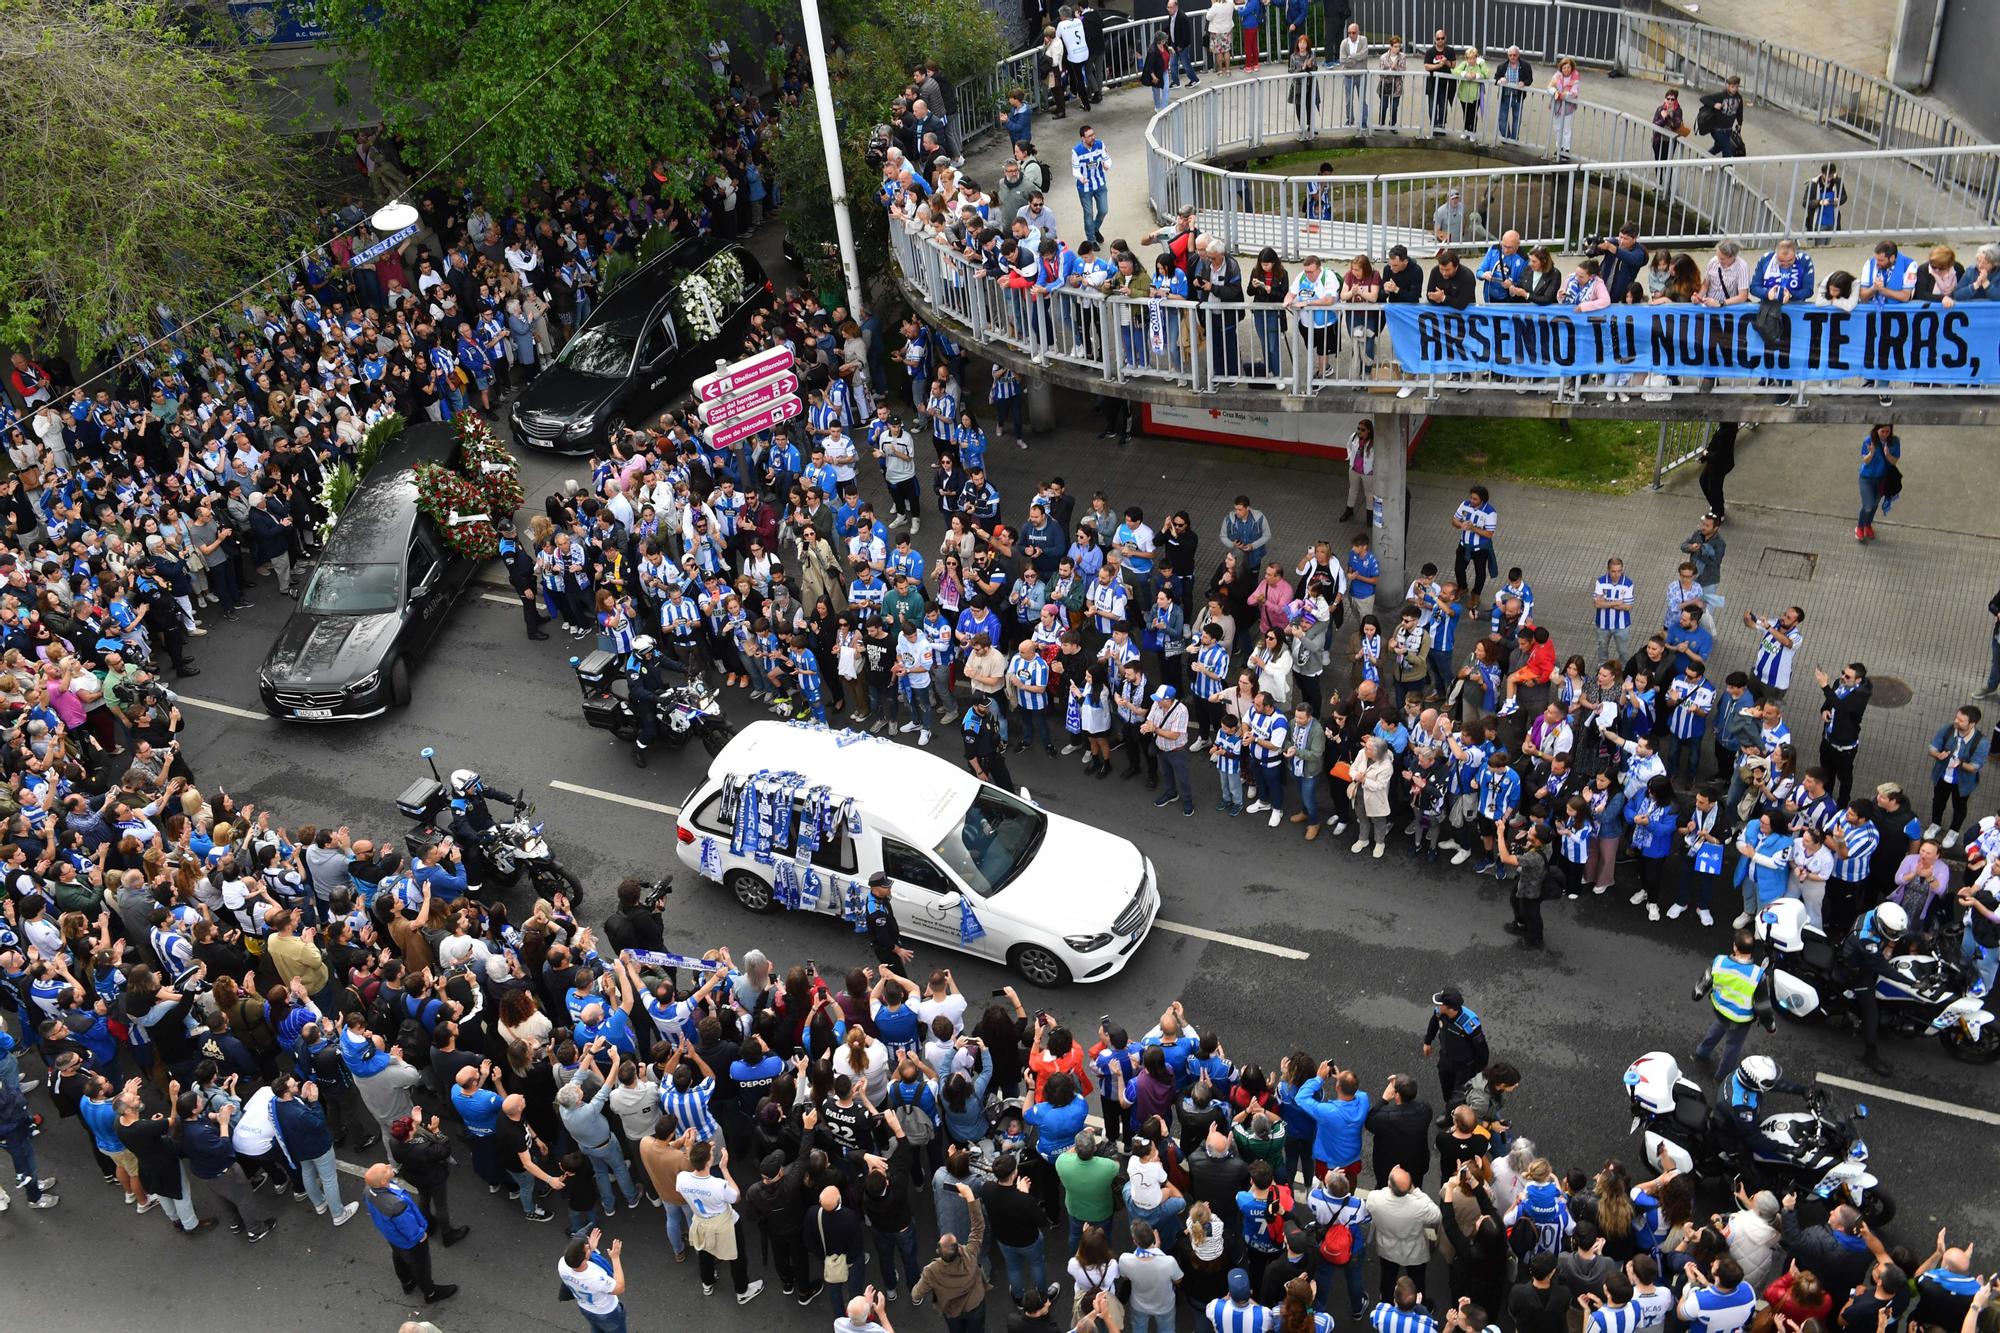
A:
(1912, 1099)
(231, 709)
(496, 597)
(350, 1168)
(1217, 937)
(615, 796)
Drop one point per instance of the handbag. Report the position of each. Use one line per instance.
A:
(1708, 859)
(1682, 131)
(1770, 322)
(833, 1267)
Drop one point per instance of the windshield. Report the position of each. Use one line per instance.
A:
(352, 590)
(997, 839)
(604, 352)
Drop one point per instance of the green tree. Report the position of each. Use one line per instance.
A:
(636, 89)
(883, 42)
(132, 176)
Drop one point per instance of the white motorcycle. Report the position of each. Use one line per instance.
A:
(1819, 1149)
(1924, 995)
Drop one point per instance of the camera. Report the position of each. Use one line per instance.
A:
(1592, 241)
(656, 893)
(154, 694)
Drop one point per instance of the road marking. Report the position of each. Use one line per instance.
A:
(1217, 937)
(350, 1168)
(496, 597)
(1912, 1099)
(615, 796)
(231, 709)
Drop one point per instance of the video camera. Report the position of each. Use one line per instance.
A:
(655, 894)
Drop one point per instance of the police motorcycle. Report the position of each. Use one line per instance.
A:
(511, 847)
(1917, 994)
(684, 712)
(1814, 1147)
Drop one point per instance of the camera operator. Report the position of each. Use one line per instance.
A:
(1622, 258)
(636, 924)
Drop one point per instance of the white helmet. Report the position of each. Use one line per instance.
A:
(643, 644)
(1759, 1072)
(1891, 920)
(464, 782)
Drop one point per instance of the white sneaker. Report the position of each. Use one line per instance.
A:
(1277, 817)
(1406, 391)
(1742, 920)
(1510, 707)
(340, 1218)
(1069, 749)
(1599, 889)
(320, 1209)
(907, 728)
(1931, 831)
(750, 1292)
(923, 738)
(1198, 746)
(1337, 824)
(1674, 912)
(1255, 808)
(1951, 838)
(1461, 856)
(1378, 851)
(1637, 898)
(1652, 911)
(1703, 915)
(1359, 845)
(148, 1206)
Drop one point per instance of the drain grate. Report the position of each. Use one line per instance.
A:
(1779, 563)
(1889, 692)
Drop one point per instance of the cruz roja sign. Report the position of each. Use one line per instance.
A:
(747, 397)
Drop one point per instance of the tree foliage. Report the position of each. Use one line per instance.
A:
(636, 89)
(882, 41)
(134, 174)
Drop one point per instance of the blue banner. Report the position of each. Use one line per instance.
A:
(382, 247)
(1926, 344)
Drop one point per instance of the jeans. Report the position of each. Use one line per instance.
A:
(609, 1162)
(1141, 1322)
(1681, 755)
(1183, 64)
(1613, 644)
(1308, 785)
(1232, 789)
(20, 1146)
(606, 1323)
(889, 1244)
(525, 1183)
(1159, 101)
(181, 1210)
(1993, 669)
(10, 1071)
(1033, 721)
(839, 1293)
(920, 706)
(1349, 1274)
(972, 1321)
(1095, 203)
(1354, 95)
(678, 1217)
(1724, 1039)
(1077, 1224)
(1981, 961)
(1165, 1219)
(1270, 331)
(1179, 782)
(1871, 496)
(1510, 113)
(1027, 1267)
(322, 1180)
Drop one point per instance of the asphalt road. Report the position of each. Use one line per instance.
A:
(1380, 936)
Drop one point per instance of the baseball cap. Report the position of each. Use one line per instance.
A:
(1239, 1284)
(1449, 998)
(1164, 692)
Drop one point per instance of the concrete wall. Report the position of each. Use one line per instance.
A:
(1964, 73)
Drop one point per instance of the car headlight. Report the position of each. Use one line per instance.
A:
(366, 683)
(576, 430)
(1087, 943)
(264, 679)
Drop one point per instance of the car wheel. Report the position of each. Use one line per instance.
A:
(752, 892)
(1039, 965)
(399, 683)
(614, 428)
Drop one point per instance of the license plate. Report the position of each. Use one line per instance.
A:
(313, 714)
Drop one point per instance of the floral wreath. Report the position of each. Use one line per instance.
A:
(459, 510)
(492, 469)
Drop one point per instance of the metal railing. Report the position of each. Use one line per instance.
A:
(1211, 346)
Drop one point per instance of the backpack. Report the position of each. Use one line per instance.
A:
(918, 1129)
(1280, 1213)
(1339, 1243)
(1705, 118)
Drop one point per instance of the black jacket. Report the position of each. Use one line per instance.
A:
(1181, 31)
(424, 1159)
(1216, 1181)
(1409, 285)
(635, 928)
(1402, 1134)
(1837, 1265)
(1846, 721)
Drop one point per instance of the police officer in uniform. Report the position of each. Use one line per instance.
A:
(472, 822)
(1740, 990)
(885, 937)
(1862, 959)
(1740, 1110)
(1460, 1041)
(643, 686)
(520, 565)
(985, 747)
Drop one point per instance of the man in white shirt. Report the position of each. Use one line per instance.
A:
(596, 1281)
(715, 1232)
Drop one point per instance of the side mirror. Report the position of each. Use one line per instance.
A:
(423, 589)
(952, 900)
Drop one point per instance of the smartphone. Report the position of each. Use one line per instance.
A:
(1002, 991)
(1043, 1015)
(812, 970)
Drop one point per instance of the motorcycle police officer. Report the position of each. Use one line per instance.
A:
(643, 686)
(1738, 1116)
(1863, 958)
(1461, 1040)
(472, 822)
(1740, 991)
(885, 937)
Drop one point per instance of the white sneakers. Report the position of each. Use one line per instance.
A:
(1638, 898)
(1277, 817)
(1378, 850)
(1652, 911)
(1742, 920)
(1255, 808)
(1461, 856)
(1674, 912)
(1703, 915)
(749, 1293)
(1360, 844)
(340, 1218)
(1930, 830)
(923, 737)
(1951, 838)
(907, 727)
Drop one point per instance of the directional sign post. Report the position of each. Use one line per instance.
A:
(734, 432)
(761, 394)
(742, 374)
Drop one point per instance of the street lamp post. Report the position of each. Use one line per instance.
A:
(829, 137)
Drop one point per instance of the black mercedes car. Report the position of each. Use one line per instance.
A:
(376, 598)
(645, 343)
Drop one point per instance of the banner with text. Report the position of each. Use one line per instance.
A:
(1925, 344)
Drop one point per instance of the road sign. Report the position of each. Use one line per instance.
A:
(751, 397)
(721, 437)
(748, 371)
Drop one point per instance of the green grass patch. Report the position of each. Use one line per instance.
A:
(1607, 456)
(1362, 161)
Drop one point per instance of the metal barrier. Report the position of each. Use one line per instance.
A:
(1208, 346)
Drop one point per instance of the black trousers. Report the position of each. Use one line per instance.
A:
(436, 1205)
(413, 1267)
(1839, 766)
(1139, 749)
(1528, 912)
(1452, 1080)
(788, 1256)
(1952, 793)
(739, 1267)
(531, 614)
